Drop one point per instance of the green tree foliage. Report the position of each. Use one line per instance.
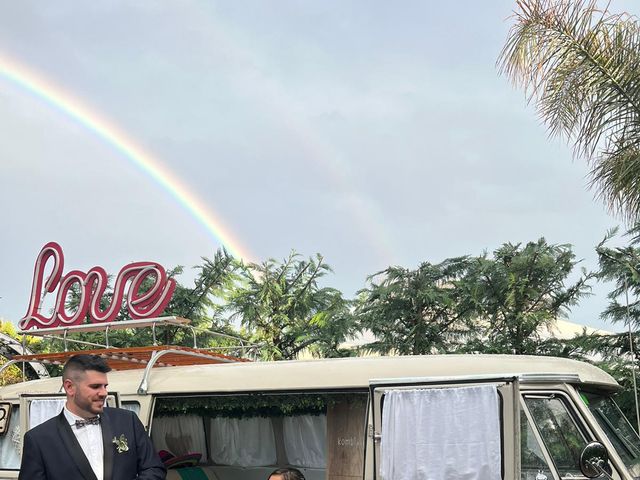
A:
(583, 346)
(202, 303)
(414, 312)
(580, 65)
(622, 370)
(612, 353)
(486, 304)
(282, 307)
(518, 292)
(621, 266)
(199, 303)
(13, 374)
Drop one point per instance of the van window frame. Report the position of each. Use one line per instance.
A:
(26, 398)
(577, 416)
(15, 409)
(364, 391)
(377, 393)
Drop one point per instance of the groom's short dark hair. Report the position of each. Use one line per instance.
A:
(83, 362)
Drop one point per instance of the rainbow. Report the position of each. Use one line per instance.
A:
(112, 135)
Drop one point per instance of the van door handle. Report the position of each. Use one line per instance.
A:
(373, 434)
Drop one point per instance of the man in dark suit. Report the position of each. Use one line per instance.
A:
(88, 441)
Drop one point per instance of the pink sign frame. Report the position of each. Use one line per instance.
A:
(93, 284)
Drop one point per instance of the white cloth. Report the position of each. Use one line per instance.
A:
(443, 433)
(243, 442)
(305, 438)
(131, 406)
(42, 409)
(90, 440)
(180, 435)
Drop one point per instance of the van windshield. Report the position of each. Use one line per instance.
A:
(618, 429)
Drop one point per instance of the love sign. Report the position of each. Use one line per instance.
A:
(144, 286)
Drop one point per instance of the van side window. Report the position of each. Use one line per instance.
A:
(450, 432)
(532, 459)
(561, 436)
(10, 443)
(250, 435)
(131, 405)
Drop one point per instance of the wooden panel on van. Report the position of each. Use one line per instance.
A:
(345, 439)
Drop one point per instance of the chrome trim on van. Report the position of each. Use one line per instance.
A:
(381, 382)
(549, 377)
(157, 354)
(522, 377)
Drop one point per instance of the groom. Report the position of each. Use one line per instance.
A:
(87, 441)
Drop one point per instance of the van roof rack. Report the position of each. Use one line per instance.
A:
(136, 358)
(62, 333)
(129, 358)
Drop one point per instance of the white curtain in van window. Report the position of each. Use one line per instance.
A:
(131, 406)
(180, 435)
(444, 433)
(305, 438)
(243, 442)
(41, 410)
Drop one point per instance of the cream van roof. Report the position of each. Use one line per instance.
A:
(326, 374)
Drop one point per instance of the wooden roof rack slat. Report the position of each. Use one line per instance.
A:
(137, 357)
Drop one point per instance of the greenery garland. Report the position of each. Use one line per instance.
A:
(253, 405)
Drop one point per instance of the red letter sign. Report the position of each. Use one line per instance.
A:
(141, 304)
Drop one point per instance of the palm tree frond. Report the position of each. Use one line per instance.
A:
(580, 65)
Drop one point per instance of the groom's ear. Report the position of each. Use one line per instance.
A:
(69, 386)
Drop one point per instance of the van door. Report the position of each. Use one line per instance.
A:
(446, 428)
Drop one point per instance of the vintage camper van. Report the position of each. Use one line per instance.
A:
(467, 417)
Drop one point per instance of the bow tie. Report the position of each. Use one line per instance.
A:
(88, 421)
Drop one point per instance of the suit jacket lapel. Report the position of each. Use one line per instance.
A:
(73, 447)
(107, 436)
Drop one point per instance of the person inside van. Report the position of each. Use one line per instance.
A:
(286, 474)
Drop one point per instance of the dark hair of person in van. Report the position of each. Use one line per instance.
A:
(82, 362)
(286, 474)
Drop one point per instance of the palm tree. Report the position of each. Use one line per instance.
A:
(581, 65)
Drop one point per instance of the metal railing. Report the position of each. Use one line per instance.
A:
(244, 349)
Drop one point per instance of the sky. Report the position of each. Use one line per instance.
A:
(375, 133)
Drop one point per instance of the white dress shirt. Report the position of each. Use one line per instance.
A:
(90, 439)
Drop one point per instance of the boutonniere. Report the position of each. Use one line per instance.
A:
(120, 443)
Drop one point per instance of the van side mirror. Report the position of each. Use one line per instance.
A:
(594, 461)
